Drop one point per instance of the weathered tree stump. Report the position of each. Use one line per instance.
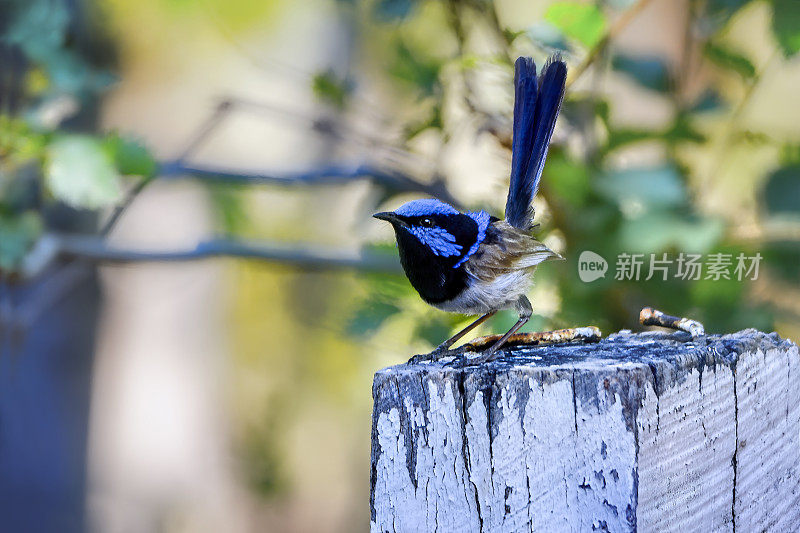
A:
(651, 431)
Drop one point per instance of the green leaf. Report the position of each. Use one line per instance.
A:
(38, 27)
(411, 66)
(18, 232)
(392, 10)
(230, 208)
(790, 154)
(722, 10)
(433, 120)
(370, 316)
(783, 258)
(782, 192)
(648, 187)
(786, 25)
(755, 138)
(387, 287)
(583, 22)
(81, 173)
(437, 329)
(728, 59)
(19, 143)
(331, 89)
(569, 180)
(649, 71)
(548, 35)
(131, 157)
(661, 230)
(682, 130)
(710, 100)
(624, 136)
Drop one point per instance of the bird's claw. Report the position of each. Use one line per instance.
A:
(435, 355)
(486, 349)
(464, 360)
(419, 358)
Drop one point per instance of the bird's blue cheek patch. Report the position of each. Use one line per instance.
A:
(440, 241)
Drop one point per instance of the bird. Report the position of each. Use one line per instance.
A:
(474, 263)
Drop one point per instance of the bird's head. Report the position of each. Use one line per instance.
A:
(432, 230)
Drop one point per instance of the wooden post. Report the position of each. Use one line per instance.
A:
(650, 431)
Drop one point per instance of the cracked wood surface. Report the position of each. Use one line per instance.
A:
(647, 432)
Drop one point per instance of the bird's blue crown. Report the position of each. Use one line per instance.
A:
(427, 206)
(444, 230)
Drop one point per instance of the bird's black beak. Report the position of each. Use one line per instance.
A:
(389, 217)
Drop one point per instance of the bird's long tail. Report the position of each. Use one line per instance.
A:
(536, 108)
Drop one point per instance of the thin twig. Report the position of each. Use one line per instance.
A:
(96, 249)
(321, 125)
(687, 51)
(120, 208)
(653, 317)
(723, 153)
(616, 28)
(493, 124)
(284, 68)
(502, 35)
(750, 90)
(220, 113)
(333, 174)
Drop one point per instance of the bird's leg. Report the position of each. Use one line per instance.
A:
(455, 338)
(525, 312)
(442, 348)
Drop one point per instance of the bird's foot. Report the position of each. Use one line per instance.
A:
(435, 355)
(471, 358)
(485, 349)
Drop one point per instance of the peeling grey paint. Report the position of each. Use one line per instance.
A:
(578, 437)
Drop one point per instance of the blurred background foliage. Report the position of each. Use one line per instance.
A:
(679, 133)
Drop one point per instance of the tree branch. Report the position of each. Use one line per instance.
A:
(392, 180)
(615, 29)
(96, 249)
(119, 209)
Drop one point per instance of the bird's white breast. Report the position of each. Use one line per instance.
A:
(481, 297)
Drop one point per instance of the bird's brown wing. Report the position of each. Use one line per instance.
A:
(507, 249)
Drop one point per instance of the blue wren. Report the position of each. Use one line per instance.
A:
(474, 263)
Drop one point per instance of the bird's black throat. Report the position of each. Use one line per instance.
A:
(433, 277)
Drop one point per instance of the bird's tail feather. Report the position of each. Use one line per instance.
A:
(536, 108)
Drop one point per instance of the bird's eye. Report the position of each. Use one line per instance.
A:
(426, 222)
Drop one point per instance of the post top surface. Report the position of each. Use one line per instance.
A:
(619, 350)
